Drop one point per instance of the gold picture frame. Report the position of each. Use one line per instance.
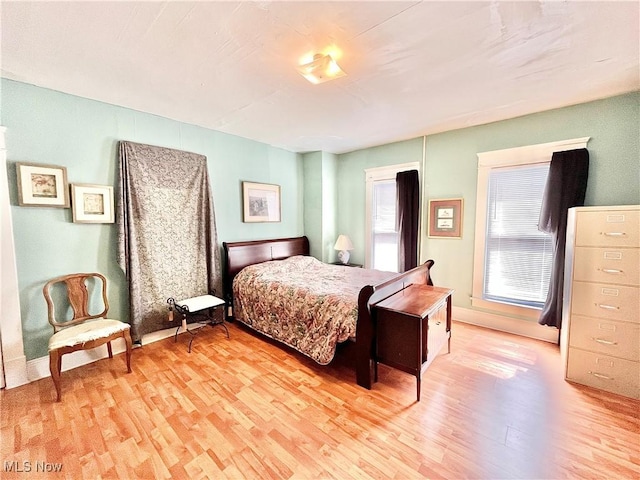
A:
(445, 218)
(42, 185)
(261, 202)
(92, 203)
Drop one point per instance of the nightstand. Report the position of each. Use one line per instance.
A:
(412, 326)
(357, 265)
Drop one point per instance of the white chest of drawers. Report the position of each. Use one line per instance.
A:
(600, 337)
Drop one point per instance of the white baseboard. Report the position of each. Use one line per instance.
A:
(525, 328)
(39, 367)
(16, 372)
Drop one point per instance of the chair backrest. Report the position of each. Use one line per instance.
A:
(78, 298)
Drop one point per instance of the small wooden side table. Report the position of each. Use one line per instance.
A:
(412, 326)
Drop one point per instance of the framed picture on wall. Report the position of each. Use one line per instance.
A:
(445, 218)
(261, 202)
(92, 203)
(42, 185)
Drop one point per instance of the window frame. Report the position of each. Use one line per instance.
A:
(510, 157)
(373, 175)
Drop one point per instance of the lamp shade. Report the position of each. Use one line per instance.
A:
(343, 243)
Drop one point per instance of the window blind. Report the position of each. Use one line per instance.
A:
(517, 256)
(385, 235)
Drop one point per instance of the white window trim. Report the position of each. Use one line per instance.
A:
(372, 175)
(528, 155)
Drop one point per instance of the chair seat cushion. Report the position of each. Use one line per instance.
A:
(195, 304)
(86, 332)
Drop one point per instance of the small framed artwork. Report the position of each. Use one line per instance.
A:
(92, 203)
(42, 185)
(445, 218)
(261, 202)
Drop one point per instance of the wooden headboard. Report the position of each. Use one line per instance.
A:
(241, 254)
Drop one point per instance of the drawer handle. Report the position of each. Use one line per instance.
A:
(608, 307)
(614, 234)
(603, 341)
(612, 270)
(600, 375)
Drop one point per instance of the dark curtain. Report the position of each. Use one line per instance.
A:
(566, 187)
(407, 205)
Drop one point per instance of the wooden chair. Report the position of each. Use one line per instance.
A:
(84, 331)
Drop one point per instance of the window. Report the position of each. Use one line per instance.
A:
(512, 259)
(517, 255)
(382, 235)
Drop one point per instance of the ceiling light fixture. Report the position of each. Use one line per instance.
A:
(321, 69)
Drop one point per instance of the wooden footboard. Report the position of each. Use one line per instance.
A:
(241, 254)
(365, 329)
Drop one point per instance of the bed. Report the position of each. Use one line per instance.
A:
(346, 305)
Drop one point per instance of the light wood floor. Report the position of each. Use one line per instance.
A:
(496, 407)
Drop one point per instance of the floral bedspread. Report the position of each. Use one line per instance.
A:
(302, 302)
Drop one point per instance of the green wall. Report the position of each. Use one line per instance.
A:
(329, 206)
(312, 168)
(351, 186)
(320, 203)
(450, 171)
(323, 195)
(48, 127)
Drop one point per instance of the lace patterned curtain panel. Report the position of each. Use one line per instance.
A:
(167, 241)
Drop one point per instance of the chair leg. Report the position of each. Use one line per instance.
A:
(127, 340)
(55, 362)
(109, 350)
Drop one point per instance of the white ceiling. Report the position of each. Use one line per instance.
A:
(414, 68)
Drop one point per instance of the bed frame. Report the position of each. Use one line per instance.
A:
(241, 254)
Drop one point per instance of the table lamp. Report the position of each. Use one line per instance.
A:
(343, 244)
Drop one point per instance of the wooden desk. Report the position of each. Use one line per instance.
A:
(412, 326)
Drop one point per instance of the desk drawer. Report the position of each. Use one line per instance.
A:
(604, 372)
(607, 265)
(608, 228)
(618, 339)
(613, 302)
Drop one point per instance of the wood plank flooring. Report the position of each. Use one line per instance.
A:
(496, 407)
